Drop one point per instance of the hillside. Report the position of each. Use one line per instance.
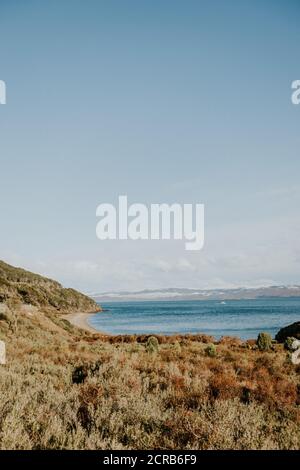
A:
(19, 285)
(66, 388)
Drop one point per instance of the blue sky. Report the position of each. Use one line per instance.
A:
(165, 101)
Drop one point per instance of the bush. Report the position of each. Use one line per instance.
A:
(211, 350)
(264, 341)
(79, 374)
(152, 344)
(4, 317)
(176, 347)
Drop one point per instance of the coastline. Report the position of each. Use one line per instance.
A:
(80, 320)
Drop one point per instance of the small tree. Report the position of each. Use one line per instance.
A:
(152, 344)
(264, 341)
(211, 350)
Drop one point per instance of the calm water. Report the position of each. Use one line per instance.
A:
(243, 318)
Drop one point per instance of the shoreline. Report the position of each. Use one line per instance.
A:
(80, 320)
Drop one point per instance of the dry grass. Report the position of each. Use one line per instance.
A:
(66, 389)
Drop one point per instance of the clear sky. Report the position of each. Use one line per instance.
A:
(162, 100)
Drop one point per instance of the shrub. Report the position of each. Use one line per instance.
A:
(211, 350)
(176, 347)
(250, 343)
(4, 317)
(224, 385)
(79, 374)
(152, 344)
(230, 341)
(264, 341)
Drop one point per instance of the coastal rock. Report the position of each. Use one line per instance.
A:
(295, 357)
(2, 353)
(291, 344)
(292, 330)
(295, 344)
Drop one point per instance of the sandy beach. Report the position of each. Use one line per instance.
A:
(81, 321)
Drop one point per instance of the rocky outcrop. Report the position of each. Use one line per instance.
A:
(295, 357)
(292, 330)
(293, 346)
(2, 353)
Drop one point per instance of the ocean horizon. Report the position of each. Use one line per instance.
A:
(241, 318)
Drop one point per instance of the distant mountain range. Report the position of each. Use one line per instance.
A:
(198, 294)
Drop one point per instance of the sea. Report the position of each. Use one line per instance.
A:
(242, 318)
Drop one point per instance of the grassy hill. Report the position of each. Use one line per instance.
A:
(19, 285)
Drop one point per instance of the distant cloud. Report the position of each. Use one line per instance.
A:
(285, 191)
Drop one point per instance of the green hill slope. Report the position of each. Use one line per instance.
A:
(17, 284)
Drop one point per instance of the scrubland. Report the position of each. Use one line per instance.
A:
(63, 388)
